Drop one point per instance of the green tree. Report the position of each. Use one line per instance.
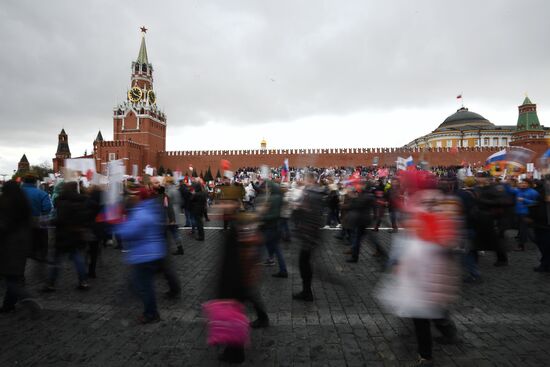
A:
(208, 175)
(218, 175)
(169, 172)
(194, 174)
(161, 171)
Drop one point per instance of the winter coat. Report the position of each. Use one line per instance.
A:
(490, 204)
(198, 203)
(425, 282)
(143, 233)
(524, 199)
(310, 217)
(72, 221)
(15, 241)
(359, 211)
(39, 200)
(185, 196)
(273, 199)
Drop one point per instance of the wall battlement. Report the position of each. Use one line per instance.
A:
(200, 160)
(319, 151)
(119, 143)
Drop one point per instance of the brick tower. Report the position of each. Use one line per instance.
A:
(139, 127)
(138, 119)
(63, 152)
(529, 133)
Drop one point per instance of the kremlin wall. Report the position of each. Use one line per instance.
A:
(139, 132)
(201, 160)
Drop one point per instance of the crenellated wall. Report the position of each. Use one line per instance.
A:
(201, 160)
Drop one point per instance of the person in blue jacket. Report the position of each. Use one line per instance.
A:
(525, 198)
(41, 206)
(143, 238)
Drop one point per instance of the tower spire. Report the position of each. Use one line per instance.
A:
(142, 56)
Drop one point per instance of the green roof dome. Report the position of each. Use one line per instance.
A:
(463, 118)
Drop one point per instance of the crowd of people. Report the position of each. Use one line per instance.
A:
(448, 218)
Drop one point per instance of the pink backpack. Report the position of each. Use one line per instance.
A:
(227, 322)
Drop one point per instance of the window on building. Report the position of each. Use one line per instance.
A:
(495, 142)
(449, 143)
(504, 142)
(438, 144)
(112, 156)
(465, 143)
(486, 142)
(478, 141)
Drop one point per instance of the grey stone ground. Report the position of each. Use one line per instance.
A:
(504, 321)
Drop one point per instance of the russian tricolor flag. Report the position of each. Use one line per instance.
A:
(284, 170)
(409, 162)
(497, 157)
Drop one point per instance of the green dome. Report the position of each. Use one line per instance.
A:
(463, 118)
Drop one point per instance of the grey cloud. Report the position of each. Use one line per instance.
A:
(67, 63)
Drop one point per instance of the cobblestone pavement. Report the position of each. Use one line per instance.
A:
(504, 321)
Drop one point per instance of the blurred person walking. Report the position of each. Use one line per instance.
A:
(41, 207)
(185, 202)
(358, 217)
(15, 247)
(525, 198)
(423, 282)
(286, 212)
(98, 227)
(490, 203)
(143, 234)
(175, 201)
(538, 214)
(308, 232)
(270, 214)
(468, 197)
(239, 273)
(198, 208)
(168, 218)
(71, 223)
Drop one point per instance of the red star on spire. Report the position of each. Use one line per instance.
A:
(143, 29)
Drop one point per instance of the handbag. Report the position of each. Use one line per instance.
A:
(227, 322)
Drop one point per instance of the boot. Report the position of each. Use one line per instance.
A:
(232, 355)
(179, 250)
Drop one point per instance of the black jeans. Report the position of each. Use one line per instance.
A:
(199, 223)
(165, 266)
(15, 290)
(144, 283)
(40, 244)
(306, 271)
(94, 252)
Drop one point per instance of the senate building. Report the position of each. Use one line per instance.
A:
(139, 138)
(465, 128)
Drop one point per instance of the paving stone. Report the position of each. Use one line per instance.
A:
(504, 321)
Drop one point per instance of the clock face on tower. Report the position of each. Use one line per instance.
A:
(135, 94)
(152, 97)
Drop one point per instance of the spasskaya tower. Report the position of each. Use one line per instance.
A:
(139, 126)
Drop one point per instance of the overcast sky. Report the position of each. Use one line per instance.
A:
(299, 73)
